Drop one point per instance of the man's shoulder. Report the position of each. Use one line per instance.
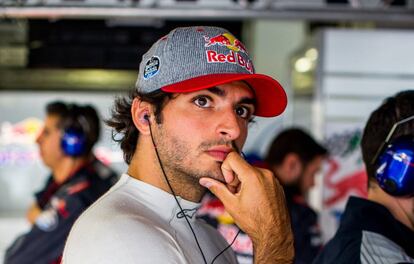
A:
(69, 199)
(98, 226)
(362, 247)
(377, 248)
(110, 224)
(343, 247)
(116, 213)
(121, 239)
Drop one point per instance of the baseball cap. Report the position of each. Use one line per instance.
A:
(189, 59)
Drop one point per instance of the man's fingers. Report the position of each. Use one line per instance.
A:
(235, 164)
(219, 190)
(231, 179)
(228, 174)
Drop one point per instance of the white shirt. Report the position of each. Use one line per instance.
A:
(135, 222)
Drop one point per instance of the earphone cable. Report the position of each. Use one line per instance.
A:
(178, 203)
(234, 239)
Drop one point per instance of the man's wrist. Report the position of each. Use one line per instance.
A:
(272, 249)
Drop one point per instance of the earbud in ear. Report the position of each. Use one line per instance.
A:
(145, 118)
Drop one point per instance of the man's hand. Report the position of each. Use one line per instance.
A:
(255, 200)
(33, 212)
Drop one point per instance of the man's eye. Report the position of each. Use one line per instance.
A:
(243, 112)
(202, 101)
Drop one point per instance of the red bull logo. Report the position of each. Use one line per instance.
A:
(233, 56)
(24, 132)
(227, 40)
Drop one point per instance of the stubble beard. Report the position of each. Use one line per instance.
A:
(180, 163)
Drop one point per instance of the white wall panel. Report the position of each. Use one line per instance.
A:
(364, 86)
(348, 108)
(369, 51)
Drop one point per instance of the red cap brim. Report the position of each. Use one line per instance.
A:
(270, 95)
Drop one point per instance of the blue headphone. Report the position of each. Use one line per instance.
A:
(74, 141)
(395, 163)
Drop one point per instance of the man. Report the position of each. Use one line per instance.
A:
(295, 158)
(183, 128)
(77, 180)
(379, 229)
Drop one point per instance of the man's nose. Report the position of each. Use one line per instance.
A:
(229, 126)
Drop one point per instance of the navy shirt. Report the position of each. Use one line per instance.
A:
(61, 205)
(369, 233)
(305, 227)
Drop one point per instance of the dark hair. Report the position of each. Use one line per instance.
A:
(121, 119)
(297, 141)
(379, 124)
(69, 116)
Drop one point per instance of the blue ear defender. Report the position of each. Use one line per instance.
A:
(395, 173)
(395, 163)
(74, 141)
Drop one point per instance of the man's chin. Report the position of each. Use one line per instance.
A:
(216, 176)
(212, 172)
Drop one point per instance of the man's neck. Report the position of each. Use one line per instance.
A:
(145, 167)
(66, 167)
(401, 208)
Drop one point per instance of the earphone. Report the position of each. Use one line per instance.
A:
(146, 118)
(74, 140)
(395, 163)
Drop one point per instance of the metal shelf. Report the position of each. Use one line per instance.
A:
(344, 13)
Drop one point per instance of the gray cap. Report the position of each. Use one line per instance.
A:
(195, 58)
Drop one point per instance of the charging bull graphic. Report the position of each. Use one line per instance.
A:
(344, 176)
(227, 40)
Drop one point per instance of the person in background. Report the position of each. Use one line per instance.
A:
(380, 228)
(182, 130)
(294, 157)
(77, 179)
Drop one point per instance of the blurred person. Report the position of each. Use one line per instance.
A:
(77, 179)
(380, 229)
(181, 131)
(295, 158)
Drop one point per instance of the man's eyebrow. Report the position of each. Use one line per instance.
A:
(222, 93)
(217, 91)
(248, 100)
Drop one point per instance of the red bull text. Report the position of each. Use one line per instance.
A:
(234, 45)
(231, 57)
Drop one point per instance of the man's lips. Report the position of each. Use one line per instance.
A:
(219, 153)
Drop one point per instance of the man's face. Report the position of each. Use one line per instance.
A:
(49, 142)
(308, 177)
(199, 129)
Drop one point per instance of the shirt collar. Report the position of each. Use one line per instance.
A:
(162, 202)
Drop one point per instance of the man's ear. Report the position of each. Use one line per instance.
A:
(293, 166)
(141, 115)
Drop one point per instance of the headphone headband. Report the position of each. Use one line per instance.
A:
(387, 139)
